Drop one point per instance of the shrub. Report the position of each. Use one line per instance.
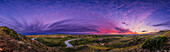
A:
(12, 33)
(154, 43)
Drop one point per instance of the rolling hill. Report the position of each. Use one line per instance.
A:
(10, 41)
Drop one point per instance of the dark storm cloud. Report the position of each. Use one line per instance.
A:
(166, 24)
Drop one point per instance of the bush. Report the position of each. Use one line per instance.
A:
(12, 33)
(154, 43)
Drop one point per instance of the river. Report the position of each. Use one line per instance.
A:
(68, 44)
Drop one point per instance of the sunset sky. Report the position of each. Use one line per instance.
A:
(85, 16)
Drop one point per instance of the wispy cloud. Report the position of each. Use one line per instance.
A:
(166, 24)
(98, 16)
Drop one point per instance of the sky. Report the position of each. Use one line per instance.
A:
(85, 16)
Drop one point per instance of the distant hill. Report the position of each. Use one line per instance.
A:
(11, 41)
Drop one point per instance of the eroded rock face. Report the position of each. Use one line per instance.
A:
(11, 41)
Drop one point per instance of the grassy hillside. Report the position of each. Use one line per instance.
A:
(10, 41)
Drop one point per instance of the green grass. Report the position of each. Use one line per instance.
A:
(92, 40)
(53, 42)
(127, 42)
(98, 47)
(155, 43)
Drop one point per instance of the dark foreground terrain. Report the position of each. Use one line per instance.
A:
(10, 41)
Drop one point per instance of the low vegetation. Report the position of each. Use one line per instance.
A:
(155, 43)
(106, 43)
(10, 41)
(53, 42)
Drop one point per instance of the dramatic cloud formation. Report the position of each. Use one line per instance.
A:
(84, 16)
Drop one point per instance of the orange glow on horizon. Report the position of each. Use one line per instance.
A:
(125, 33)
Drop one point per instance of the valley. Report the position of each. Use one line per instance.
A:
(96, 43)
(12, 41)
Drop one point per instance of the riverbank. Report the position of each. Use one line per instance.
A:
(68, 44)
